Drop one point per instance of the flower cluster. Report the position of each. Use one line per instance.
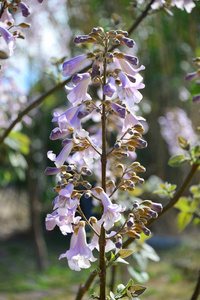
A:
(117, 75)
(9, 29)
(195, 75)
(188, 5)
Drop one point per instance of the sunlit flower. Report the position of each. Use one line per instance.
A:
(24, 8)
(129, 90)
(79, 255)
(110, 88)
(8, 37)
(111, 212)
(78, 93)
(95, 240)
(131, 120)
(61, 158)
(72, 65)
(118, 109)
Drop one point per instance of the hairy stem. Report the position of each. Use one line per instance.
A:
(102, 239)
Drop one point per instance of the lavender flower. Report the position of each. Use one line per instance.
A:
(130, 121)
(8, 37)
(61, 158)
(95, 240)
(118, 109)
(24, 8)
(72, 65)
(79, 93)
(110, 88)
(111, 212)
(129, 90)
(79, 255)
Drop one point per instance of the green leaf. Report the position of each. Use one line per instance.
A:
(196, 221)
(137, 290)
(120, 288)
(183, 204)
(124, 253)
(112, 296)
(184, 219)
(141, 277)
(178, 160)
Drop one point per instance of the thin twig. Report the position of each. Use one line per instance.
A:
(197, 289)
(86, 220)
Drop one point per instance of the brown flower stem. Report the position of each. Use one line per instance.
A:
(102, 238)
(84, 288)
(86, 220)
(60, 85)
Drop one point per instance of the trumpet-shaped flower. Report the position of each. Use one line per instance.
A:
(24, 8)
(8, 37)
(111, 212)
(95, 240)
(110, 87)
(118, 109)
(78, 93)
(129, 91)
(130, 121)
(61, 158)
(64, 201)
(71, 119)
(64, 222)
(72, 65)
(79, 255)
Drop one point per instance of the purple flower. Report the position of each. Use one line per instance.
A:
(52, 171)
(81, 39)
(72, 65)
(24, 8)
(128, 42)
(118, 109)
(58, 133)
(191, 76)
(196, 98)
(79, 255)
(133, 60)
(70, 119)
(129, 90)
(8, 37)
(6, 17)
(64, 202)
(64, 222)
(110, 87)
(127, 68)
(61, 158)
(111, 212)
(156, 206)
(95, 240)
(130, 121)
(79, 93)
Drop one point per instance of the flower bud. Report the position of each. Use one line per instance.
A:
(118, 242)
(130, 221)
(87, 195)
